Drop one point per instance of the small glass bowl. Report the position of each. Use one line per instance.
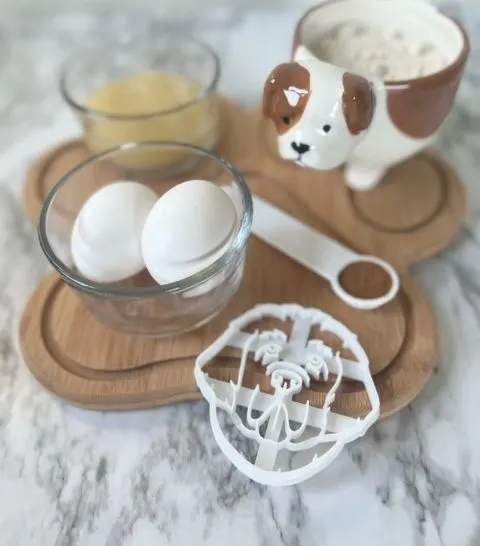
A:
(139, 305)
(190, 115)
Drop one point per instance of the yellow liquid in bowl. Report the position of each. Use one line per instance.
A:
(153, 95)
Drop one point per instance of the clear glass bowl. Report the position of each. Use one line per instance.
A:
(139, 305)
(163, 90)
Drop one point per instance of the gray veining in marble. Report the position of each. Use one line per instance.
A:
(75, 478)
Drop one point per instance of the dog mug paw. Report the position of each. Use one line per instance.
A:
(362, 176)
(369, 85)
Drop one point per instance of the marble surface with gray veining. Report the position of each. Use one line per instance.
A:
(70, 477)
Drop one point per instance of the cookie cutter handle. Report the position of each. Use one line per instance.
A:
(317, 252)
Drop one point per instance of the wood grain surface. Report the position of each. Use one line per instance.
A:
(163, 369)
(413, 214)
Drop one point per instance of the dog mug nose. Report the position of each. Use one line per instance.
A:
(300, 148)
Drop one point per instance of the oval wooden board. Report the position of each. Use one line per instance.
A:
(415, 213)
(165, 374)
(269, 277)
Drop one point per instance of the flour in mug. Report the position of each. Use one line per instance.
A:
(372, 53)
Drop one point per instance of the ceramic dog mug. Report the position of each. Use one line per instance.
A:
(369, 85)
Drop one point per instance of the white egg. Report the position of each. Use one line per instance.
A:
(166, 272)
(188, 229)
(106, 237)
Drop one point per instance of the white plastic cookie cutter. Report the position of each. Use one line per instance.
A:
(317, 252)
(291, 362)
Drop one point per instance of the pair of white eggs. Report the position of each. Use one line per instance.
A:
(125, 227)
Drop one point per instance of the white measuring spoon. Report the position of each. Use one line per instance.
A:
(317, 252)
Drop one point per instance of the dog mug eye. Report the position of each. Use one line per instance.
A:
(326, 128)
(286, 120)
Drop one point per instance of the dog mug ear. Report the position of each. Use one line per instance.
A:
(358, 103)
(279, 79)
(275, 91)
(275, 84)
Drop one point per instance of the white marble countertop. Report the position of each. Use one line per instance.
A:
(74, 478)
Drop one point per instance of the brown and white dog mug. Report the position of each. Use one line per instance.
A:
(327, 114)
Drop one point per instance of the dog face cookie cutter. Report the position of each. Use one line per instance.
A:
(291, 362)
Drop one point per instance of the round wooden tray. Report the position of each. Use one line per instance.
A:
(413, 214)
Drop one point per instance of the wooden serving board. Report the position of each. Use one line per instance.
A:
(413, 214)
(92, 366)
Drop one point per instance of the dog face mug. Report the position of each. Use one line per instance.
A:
(321, 112)
(369, 85)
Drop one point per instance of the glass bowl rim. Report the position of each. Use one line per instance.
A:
(206, 91)
(82, 284)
